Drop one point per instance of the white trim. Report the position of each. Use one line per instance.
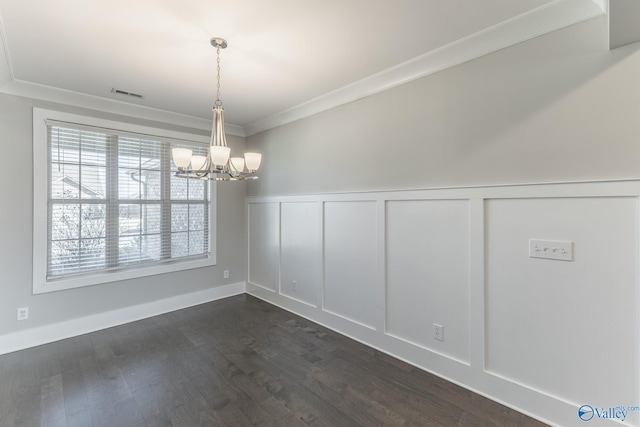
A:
(539, 21)
(532, 388)
(41, 114)
(295, 299)
(349, 319)
(429, 349)
(42, 286)
(40, 189)
(263, 287)
(58, 331)
(628, 186)
(114, 106)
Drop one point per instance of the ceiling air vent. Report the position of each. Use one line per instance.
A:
(124, 92)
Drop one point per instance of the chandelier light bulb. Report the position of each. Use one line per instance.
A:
(198, 162)
(220, 155)
(181, 157)
(237, 164)
(252, 160)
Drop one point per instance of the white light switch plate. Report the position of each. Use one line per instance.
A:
(551, 249)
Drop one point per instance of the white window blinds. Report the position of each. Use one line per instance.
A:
(113, 202)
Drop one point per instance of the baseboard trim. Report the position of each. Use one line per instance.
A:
(58, 331)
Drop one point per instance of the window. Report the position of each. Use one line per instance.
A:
(107, 206)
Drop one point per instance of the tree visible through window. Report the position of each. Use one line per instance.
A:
(114, 202)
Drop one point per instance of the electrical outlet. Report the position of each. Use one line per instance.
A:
(23, 313)
(294, 285)
(225, 274)
(438, 332)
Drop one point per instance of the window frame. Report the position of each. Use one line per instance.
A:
(40, 207)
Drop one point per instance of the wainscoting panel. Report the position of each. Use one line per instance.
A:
(264, 244)
(350, 259)
(428, 274)
(542, 336)
(301, 259)
(568, 328)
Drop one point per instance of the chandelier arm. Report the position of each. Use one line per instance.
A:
(209, 162)
(217, 175)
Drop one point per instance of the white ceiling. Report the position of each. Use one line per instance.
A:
(286, 58)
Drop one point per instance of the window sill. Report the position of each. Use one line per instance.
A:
(83, 280)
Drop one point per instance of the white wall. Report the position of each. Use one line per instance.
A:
(75, 305)
(535, 334)
(560, 107)
(542, 336)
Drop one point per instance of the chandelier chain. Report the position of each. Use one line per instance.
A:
(218, 102)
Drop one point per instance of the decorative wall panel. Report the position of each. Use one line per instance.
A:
(350, 259)
(301, 251)
(428, 273)
(264, 244)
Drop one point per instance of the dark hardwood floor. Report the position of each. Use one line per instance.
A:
(234, 362)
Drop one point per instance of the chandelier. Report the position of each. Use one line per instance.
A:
(217, 165)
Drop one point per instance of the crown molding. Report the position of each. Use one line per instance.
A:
(542, 20)
(114, 106)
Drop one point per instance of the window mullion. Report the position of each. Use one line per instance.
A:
(80, 221)
(165, 215)
(50, 196)
(113, 208)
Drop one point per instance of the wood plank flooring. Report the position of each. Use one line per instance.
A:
(234, 362)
